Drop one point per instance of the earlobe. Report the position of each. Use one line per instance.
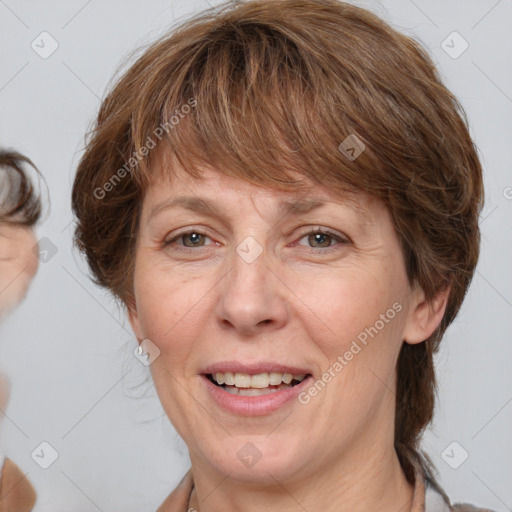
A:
(425, 316)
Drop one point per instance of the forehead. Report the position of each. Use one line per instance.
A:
(182, 189)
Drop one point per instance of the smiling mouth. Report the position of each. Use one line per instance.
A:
(244, 384)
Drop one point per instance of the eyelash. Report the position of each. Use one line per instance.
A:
(341, 240)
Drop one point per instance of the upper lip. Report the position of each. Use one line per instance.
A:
(253, 368)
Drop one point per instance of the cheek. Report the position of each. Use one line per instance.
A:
(357, 326)
(170, 306)
(14, 282)
(345, 303)
(29, 259)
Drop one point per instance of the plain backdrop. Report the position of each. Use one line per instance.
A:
(68, 348)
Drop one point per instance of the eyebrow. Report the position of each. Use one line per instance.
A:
(199, 205)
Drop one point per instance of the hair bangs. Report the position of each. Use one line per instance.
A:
(247, 104)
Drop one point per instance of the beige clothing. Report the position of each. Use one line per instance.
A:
(16, 491)
(428, 496)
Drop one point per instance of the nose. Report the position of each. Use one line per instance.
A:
(252, 298)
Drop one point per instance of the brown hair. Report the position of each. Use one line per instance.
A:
(19, 201)
(274, 86)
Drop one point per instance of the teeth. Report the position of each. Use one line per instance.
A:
(257, 381)
(242, 380)
(275, 378)
(253, 391)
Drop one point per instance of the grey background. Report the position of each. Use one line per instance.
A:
(68, 348)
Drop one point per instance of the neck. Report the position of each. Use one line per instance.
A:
(360, 481)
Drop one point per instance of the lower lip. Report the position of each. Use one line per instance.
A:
(254, 405)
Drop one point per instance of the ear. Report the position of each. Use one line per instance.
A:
(424, 317)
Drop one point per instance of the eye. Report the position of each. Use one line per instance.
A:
(190, 240)
(321, 238)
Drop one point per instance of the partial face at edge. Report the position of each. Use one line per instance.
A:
(18, 264)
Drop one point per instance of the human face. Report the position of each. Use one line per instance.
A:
(18, 263)
(245, 287)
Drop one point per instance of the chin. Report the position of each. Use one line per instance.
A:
(259, 459)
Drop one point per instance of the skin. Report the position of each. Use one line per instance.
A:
(18, 263)
(302, 302)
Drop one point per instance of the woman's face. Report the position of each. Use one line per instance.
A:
(241, 283)
(18, 263)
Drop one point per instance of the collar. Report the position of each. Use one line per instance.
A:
(178, 500)
(433, 498)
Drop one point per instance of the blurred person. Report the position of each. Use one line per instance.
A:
(20, 209)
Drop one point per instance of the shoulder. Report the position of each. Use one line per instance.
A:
(16, 491)
(466, 507)
(436, 499)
